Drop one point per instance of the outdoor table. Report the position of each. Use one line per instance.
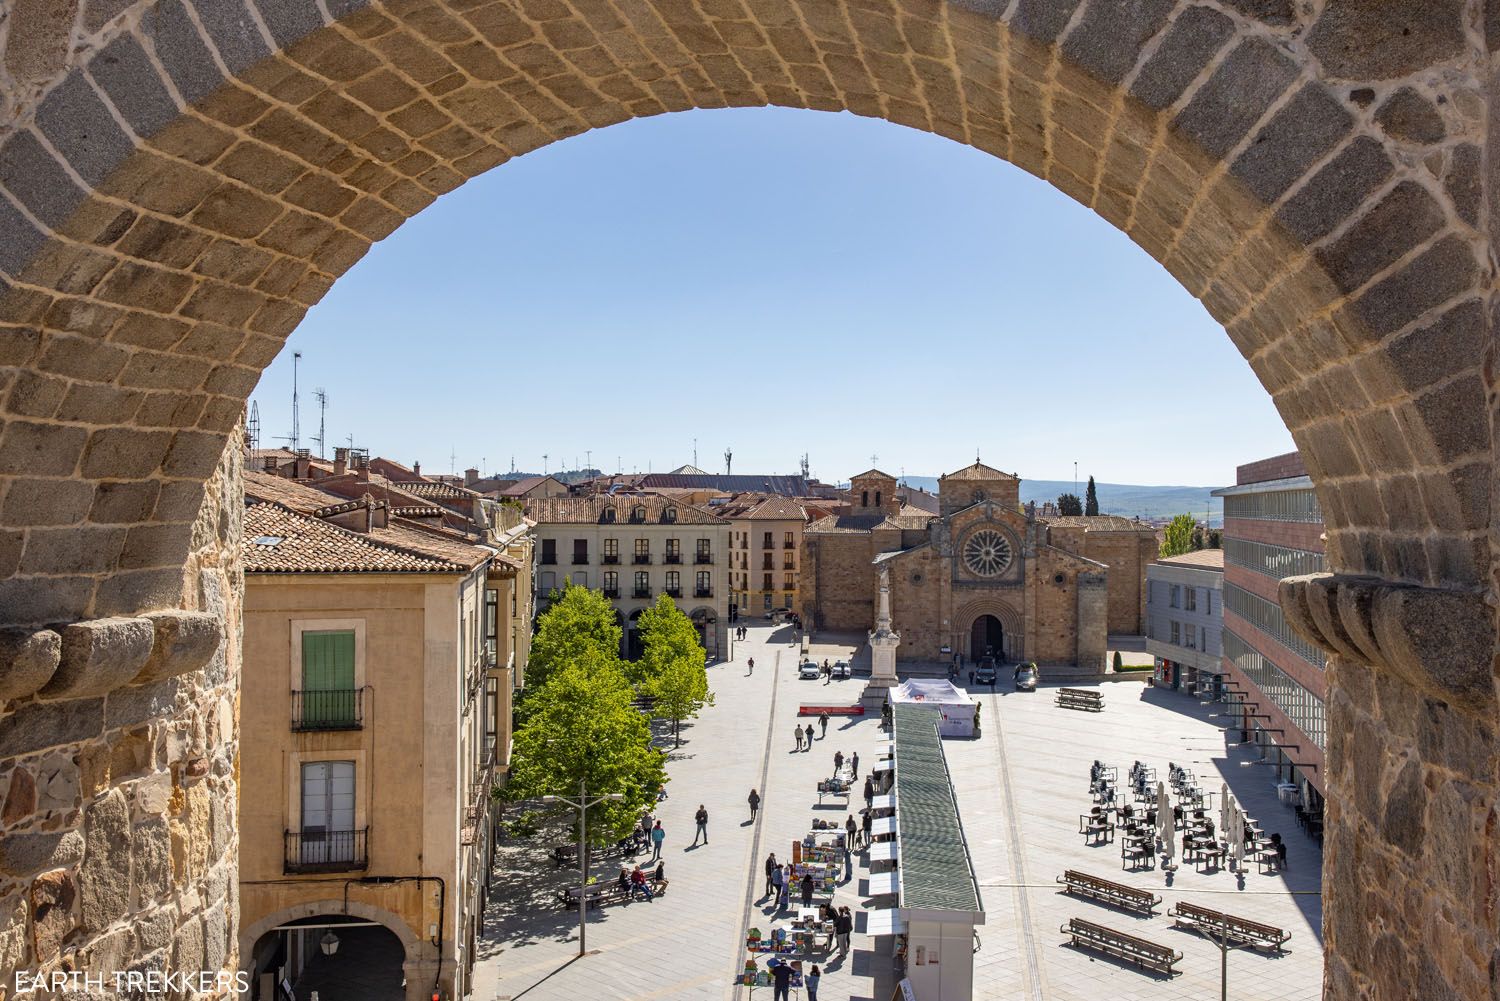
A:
(884, 882)
(885, 851)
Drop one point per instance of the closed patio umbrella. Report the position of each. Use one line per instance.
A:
(1224, 807)
(1168, 840)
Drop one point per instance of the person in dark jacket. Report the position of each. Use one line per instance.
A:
(807, 889)
(754, 803)
(701, 817)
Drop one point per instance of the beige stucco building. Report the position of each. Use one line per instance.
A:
(381, 656)
(765, 551)
(983, 576)
(633, 548)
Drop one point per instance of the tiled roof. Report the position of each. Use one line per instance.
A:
(279, 540)
(518, 488)
(436, 491)
(590, 511)
(1100, 523)
(435, 542)
(844, 524)
(906, 521)
(871, 472)
(290, 493)
(979, 471)
(1210, 559)
(786, 486)
(776, 509)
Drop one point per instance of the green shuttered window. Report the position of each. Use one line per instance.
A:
(328, 678)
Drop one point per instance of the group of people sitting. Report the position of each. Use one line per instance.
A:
(634, 881)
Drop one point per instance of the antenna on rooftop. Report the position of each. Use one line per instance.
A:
(695, 452)
(728, 460)
(544, 463)
(322, 397)
(252, 427)
(806, 475)
(588, 458)
(452, 460)
(296, 436)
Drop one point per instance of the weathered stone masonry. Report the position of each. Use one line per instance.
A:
(181, 179)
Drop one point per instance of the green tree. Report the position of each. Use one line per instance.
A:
(1119, 661)
(1198, 539)
(582, 727)
(1215, 539)
(578, 621)
(1179, 536)
(671, 669)
(1091, 500)
(1069, 505)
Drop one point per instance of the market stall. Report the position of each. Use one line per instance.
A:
(957, 713)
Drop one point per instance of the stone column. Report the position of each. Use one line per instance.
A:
(883, 643)
(1412, 762)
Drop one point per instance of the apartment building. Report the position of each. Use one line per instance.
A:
(1273, 528)
(634, 548)
(765, 547)
(1185, 618)
(380, 656)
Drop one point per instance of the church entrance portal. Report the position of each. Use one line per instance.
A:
(987, 638)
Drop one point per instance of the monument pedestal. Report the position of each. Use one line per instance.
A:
(883, 643)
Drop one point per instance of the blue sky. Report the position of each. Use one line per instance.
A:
(776, 282)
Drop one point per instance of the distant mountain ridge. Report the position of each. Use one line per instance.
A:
(1130, 500)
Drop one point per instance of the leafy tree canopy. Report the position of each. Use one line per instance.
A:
(582, 727)
(1069, 504)
(579, 621)
(1179, 536)
(671, 668)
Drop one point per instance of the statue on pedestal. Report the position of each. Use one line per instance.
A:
(883, 643)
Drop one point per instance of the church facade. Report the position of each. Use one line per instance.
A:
(983, 575)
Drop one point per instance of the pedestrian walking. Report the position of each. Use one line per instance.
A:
(657, 837)
(754, 803)
(869, 793)
(807, 889)
(844, 924)
(823, 724)
(811, 982)
(785, 893)
(752, 665)
(838, 761)
(778, 879)
(702, 819)
(852, 830)
(799, 736)
(854, 763)
(771, 868)
(869, 825)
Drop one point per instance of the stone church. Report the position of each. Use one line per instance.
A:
(982, 575)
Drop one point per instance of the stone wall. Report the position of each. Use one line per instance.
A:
(118, 762)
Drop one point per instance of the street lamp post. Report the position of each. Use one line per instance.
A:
(582, 804)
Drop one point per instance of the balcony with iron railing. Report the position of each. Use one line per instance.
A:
(641, 559)
(642, 592)
(702, 559)
(703, 592)
(548, 559)
(612, 593)
(580, 559)
(673, 592)
(328, 709)
(314, 849)
(672, 558)
(610, 558)
(787, 544)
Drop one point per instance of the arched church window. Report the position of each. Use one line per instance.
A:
(978, 496)
(864, 498)
(877, 498)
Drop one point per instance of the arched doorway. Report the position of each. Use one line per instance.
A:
(180, 188)
(704, 620)
(336, 955)
(986, 638)
(634, 646)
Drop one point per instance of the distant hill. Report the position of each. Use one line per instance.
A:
(1128, 499)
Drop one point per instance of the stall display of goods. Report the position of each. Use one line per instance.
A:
(779, 941)
(825, 875)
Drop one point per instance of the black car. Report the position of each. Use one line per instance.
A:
(984, 671)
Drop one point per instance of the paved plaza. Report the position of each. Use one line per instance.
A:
(1021, 787)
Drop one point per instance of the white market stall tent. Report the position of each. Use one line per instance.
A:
(958, 715)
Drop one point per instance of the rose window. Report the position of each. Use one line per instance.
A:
(987, 553)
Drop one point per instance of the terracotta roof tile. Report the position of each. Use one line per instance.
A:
(291, 493)
(1100, 523)
(979, 471)
(279, 540)
(1208, 559)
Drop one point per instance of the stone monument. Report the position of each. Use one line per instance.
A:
(883, 643)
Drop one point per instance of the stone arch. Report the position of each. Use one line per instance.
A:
(181, 179)
(1010, 620)
(388, 920)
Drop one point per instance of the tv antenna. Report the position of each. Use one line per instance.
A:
(544, 463)
(728, 460)
(695, 453)
(295, 438)
(252, 428)
(321, 395)
(802, 463)
(588, 457)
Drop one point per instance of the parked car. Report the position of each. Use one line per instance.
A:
(841, 669)
(809, 669)
(776, 614)
(1026, 677)
(984, 671)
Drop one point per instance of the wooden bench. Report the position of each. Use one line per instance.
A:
(831, 710)
(1216, 923)
(1130, 948)
(1080, 698)
(606, 893)
(1109, 892)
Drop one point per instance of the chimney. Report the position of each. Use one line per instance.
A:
(369, 512)
(416, 468)
(362, 466)
(340, 461)
(471, 476)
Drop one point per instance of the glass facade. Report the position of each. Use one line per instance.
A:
(1273, 561)
(1269, 619)
(1302, 707)
(1275, 505)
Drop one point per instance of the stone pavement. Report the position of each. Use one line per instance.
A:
(1034, 755)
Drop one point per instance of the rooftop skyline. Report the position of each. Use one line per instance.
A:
(775, 282)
